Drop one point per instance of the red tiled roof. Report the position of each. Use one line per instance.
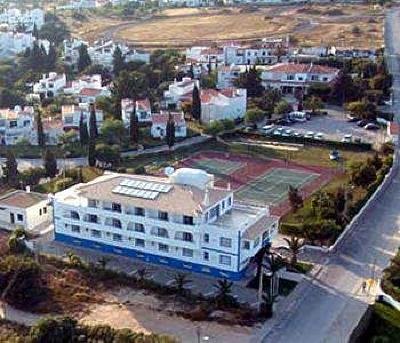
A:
(90, 91)
(162, 118)
(144, 105)
(207, 94)
(303, 68)
(394, 128)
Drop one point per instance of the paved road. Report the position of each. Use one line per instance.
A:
(26, 163)
(328, 308)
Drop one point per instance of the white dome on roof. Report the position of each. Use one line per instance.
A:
(193, 177)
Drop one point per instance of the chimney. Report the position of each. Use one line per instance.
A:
(28, 189)
(206, 197)
(228, 188)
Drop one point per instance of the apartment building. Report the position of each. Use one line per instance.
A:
(50, 85)
(292, 77)
(16, 124)
(228, 103)
(142, 109)
(182, 220)
(71, 116)
(15, 18)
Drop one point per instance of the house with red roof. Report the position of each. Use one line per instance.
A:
(71, 116)
(16, 124)
(228, 103)
(290, 77)
(160, 121)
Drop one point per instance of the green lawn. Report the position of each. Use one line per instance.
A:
(384, 325)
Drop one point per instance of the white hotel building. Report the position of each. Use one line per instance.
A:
(182, 221)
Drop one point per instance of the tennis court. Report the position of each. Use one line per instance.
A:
(272, 187)
(217, 166)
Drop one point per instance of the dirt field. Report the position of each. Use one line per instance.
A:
(350, 26)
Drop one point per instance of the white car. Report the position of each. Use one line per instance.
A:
(347, 139)
(309, 134)
(287, 133)
(319, 136)
(267, 128)
(278, 132)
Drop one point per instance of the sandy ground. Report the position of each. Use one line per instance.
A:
(132, 309)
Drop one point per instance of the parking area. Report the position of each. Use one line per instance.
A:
(273, 186)
(333, 126)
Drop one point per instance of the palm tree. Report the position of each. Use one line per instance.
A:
(103, 261)
(142, 273)
(224, 293)
(180, 280)
(294, 245)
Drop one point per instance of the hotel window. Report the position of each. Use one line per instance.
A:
(116, 207)
(223, 204)
(184, 236)
(20, 217)
(206, 238)
(163, 247)
(139, 227)
(139, 211)
(187, 252)
(117, 237)
(225, 242)
(95, 233)
(290, 77)
(40, 211)
(187, 220)
(225, 259)
(230, 201)
(246, 245)
(160, 232)
(206, 256)
(92, 203)
(314, 77)
(74, 215)
(214, 212)
(163, 215)
(92, 218)
(75, 228)
(44, 210)
(139, 242)
(116, 223)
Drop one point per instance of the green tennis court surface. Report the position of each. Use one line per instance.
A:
(217, 166)
(273, 186)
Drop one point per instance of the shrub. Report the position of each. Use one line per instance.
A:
(214, 128)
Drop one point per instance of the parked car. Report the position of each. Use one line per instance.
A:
(297, 116)
(334, 155)
(287, 133)
(351, 119)
(362, 123)
(347, 138)
(371, 126)
(278, 131)
(267, 129)
(309, 134)
(319, 136)
(297, 134)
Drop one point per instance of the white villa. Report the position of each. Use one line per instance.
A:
(50, 85)
(13, 43)
(71, 116)
(289, 77)
(25, 209)
(14, 17)
(229, 103)
(16, 124)
(227, 75)
(142, 110)
(183, 221)
(160, 121)
(180, 91)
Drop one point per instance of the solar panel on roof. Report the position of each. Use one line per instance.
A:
(148, 186)
(137, 193)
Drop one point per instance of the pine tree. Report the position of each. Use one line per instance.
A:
(170, 131)
(11, 169)
(134, 127)
(84, 60)
(35, 31)
(118, 61)
(40, 133)
(50, 164)
(83, 132)
(196, 104)
(92, 136)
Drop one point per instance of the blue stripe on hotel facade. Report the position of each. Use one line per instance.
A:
(150, 258)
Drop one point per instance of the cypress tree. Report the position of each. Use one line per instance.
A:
(92, 136)
(35, 31)
(52, 57)
(196, 104)
(40, 133)
(170, 131)
(118, 61)
(83, 131)
(11, 169)
(84, 60)
(134, 126)
(50, 164)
